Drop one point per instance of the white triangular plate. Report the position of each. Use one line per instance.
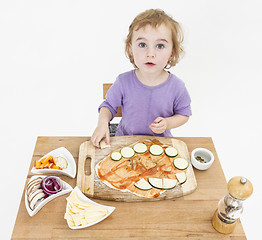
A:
(66, 189)
(71, 164)
(86, 199)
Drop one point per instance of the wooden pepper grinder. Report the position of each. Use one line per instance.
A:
(230, 207)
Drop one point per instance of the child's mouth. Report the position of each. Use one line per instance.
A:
(150, 64)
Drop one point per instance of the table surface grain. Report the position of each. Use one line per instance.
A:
(188, 217)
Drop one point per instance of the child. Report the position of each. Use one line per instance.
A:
(153, 100)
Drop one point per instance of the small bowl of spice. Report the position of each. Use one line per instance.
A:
(202, 158)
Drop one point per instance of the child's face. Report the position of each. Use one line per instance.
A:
(152, 48)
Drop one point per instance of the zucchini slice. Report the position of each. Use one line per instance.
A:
(156, 150)
(181, 177)
(116, 156)
(156, 182)
(169, 183)
(171, 152)
(140, 148)
(143, 185)
(180, 163)
(127, 152)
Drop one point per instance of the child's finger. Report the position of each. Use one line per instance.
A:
(155, 129)
(93, 140)
(158, 120)
(107, 138)
(158, 125)
(97, 142)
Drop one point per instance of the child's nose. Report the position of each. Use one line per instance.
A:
(151, 52)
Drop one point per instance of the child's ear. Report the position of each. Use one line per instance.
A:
(171, 56)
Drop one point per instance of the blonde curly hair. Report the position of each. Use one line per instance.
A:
(154, 18)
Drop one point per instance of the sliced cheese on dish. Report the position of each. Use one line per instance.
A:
(80, 212)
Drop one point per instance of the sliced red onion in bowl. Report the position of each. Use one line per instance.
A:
(51, 185)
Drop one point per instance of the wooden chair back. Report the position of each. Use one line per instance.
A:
(106, 86)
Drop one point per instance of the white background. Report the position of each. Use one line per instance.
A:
(55, 55)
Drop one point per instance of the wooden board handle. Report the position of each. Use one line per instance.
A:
(86, 182)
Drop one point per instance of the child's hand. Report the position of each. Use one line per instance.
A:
(159, 125)
(102, 130)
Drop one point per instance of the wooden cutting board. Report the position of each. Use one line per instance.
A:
(91, 185)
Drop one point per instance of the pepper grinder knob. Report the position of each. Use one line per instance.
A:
(240, 188)
(243, 180)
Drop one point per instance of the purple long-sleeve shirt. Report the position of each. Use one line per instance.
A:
(141, 104)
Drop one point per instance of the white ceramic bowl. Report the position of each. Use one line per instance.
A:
(86, 199)
(205, 154)
(70, 171)
(66, 189)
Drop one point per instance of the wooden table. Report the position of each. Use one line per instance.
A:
(188, 217)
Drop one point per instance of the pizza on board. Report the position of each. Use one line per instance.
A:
(146, 168)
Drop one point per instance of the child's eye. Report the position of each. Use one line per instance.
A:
(160, 46)
(142, 45)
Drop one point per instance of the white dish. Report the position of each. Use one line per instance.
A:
(204, 154)
(66, 189)
(86, 199)
(71, 164)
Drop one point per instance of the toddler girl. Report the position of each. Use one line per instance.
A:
(153, 100)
